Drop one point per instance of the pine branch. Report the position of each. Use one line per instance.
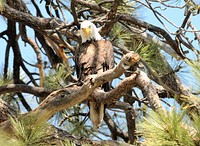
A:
(37, 91)
(68, 97)
(131, 20)
(111, 17)
(48, 134)
(115, 131)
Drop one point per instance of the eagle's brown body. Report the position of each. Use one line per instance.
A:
(92, 58)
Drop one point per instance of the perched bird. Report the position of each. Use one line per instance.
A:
(95, 55)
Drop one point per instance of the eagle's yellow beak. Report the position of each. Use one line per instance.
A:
(87, 31)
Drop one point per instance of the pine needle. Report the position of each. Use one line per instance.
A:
(167, 129)
(25, 134)
(151, 54)
(195, 65)
(2, 3)
(56, 79)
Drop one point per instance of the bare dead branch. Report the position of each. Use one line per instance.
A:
(6, 111)
(115, 94)
(25, 38)
(59, 134)
(195, 33)
(153, 29)
(111, 17)
(37, 91)
(149, 91)
(68, 97)
(73, 11)
(92, 6)
(26, 18)
(115, 131)
(42, 25)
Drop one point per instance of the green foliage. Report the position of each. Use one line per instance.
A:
(6, 81)
(8, 97)
(4, 140)
(127, 7)
(191, 102)
(195, 68)
(151, 54)
(169, 129)
(75, 123)
(81, 130)
(56, 79)
(118, 34)
(74, 120)
(195, 133)
(26, 134)
(2, 3)
(195, 65)
(70, 143)
(193, 7)
(121, 36)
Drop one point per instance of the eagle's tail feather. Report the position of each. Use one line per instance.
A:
(96, 113)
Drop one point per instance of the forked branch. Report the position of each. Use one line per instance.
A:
(68, 97)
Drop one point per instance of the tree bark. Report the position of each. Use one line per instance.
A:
(68, 97)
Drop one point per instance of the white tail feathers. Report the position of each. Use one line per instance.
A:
(96, 113)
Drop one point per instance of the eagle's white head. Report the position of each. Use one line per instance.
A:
(89, 31)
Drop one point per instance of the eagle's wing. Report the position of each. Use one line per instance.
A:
(109, 55)
(109, 60)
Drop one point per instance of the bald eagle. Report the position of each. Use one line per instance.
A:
(95, 55)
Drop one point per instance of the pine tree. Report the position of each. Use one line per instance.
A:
(149, 103)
